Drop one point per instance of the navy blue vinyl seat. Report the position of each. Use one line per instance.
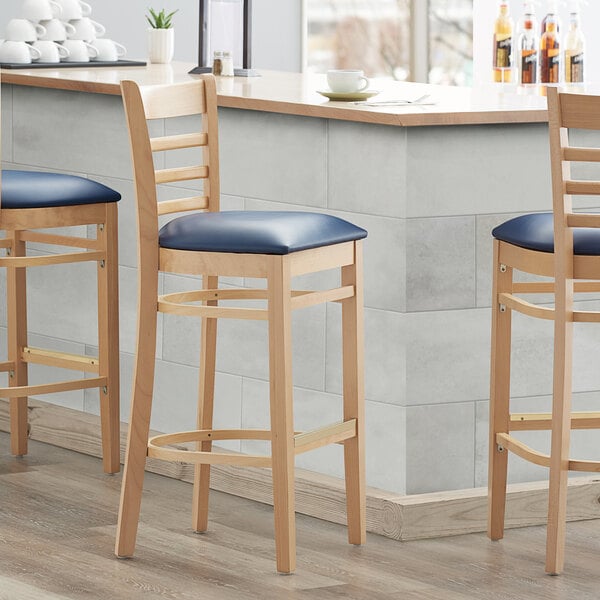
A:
(32, 189)
(66, 202)
(260, 232)
(536, 232)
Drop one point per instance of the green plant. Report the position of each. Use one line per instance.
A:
(160, 20)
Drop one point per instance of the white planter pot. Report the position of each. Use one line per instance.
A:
(161, 45)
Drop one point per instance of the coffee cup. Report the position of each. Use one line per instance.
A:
(50, 52)
(74, 9)
(40, 10)
(18, 52)
(79, 51)
(56, 30)
(86, 29)
(108, 51)
(346, 81)
(22, 30)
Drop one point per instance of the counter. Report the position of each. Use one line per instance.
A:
(427, 182)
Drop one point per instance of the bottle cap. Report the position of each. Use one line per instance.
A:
(218, 54)
(227, 53)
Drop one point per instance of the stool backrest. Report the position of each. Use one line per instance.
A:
(196, 98)
(566, 112)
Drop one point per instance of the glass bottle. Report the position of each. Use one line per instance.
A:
(503, 31)
(227, 64)
(217, 63)
(550, 52)
(574, 48)
(551, 14)
(527, 45)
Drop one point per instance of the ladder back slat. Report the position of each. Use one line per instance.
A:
(576, 154)
(583, 220)
(167, 207)
(180, 174)
(582, 188)
(176, 142)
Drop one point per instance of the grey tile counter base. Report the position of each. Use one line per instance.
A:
(428, 195)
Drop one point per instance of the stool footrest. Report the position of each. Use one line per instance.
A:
(538, 458)
(543, 421)
(303, 442)
(51, 388)
(64, 360)
(50, 259)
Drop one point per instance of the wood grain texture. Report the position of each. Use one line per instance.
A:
(296, 94)
(391, 515)
(57, 547)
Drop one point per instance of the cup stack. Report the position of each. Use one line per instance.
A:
(54, 31)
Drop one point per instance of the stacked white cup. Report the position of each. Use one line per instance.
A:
(51, 31)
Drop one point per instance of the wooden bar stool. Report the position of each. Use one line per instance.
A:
(33, 201)
(275, 246)
(563, 245)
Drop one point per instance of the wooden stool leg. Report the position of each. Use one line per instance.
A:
(282, 418)
(16, 299)
(354, 402)
(206, 394)
(561, 429)
(108, 341)
(141, 404)
(499, 398)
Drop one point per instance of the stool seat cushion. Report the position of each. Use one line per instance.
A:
(536, 232)
(256, 232)
(33, 189)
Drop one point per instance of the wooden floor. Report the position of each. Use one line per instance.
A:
(57, 525)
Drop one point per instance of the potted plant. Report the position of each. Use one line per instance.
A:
(161, 36)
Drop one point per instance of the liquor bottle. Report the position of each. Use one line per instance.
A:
(550, 50)
(527, 45)
(574, 47)
(551, 14)
(503, 31)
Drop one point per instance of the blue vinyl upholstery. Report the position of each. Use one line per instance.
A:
(535, 232)
(32, 189)
(256, 232)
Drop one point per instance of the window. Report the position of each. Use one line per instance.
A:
(418, 40)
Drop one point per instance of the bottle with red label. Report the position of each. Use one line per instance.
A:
(528, 47)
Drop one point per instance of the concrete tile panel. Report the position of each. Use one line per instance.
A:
(445, 167)
(258, 148)
(440, 263)
(97, 146)
(385, 355)
(440, 444)
(367, 168)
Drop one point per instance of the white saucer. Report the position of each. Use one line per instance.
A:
(348, 96)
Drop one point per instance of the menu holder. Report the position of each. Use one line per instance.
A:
(70, 65)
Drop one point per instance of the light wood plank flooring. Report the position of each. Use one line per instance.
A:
(57, 525)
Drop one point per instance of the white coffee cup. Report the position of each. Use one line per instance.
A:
(74, 9)
(18, 52)
(40, 10)
(22, 30)
(346, 81)
(79, 51)
(86, 29)
(56, 30)
(108, 51)
(51, 52)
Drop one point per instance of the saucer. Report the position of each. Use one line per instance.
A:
(348, 96)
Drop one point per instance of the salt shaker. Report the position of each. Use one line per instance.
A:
(227, 70)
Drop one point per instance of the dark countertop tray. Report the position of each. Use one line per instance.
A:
(67, 65)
